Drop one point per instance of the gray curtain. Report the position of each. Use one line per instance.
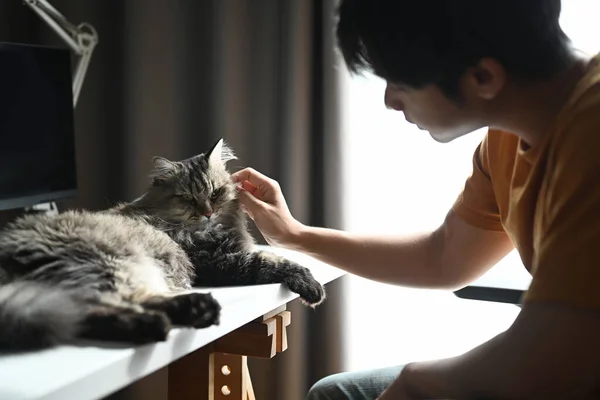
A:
(170, 77)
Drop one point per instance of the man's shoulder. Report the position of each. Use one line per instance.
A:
(498, 149)
(576, 136)
(582, 108)
(580, 112)
(498, 137)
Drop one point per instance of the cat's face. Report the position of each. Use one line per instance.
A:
(193, 190)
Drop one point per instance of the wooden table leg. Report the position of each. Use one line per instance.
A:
(250, 392)
(220, 371)
(230, 373)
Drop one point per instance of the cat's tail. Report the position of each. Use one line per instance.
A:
(35, 316)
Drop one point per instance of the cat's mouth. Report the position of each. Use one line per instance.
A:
(210, 215)
(204, 219)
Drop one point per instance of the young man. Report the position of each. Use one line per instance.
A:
(452, 67)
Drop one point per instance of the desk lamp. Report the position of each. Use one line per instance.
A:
(82, 39)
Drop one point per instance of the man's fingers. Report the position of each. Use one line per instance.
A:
(248, 174)
(262, 192)
(250, 187)
(254, 177)
(249, 201)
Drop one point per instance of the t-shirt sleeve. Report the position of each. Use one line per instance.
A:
(566, 264)
(477, 204)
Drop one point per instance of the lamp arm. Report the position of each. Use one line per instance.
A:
(82, 39)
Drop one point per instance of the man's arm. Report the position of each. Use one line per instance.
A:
(550, 352)
(450, 257)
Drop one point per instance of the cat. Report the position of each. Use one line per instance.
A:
(124, 273)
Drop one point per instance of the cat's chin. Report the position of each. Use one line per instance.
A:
(201, 224)
(196, 225)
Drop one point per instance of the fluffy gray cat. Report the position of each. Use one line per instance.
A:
(125, 274)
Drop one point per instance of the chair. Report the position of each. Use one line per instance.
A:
(488, 293)
(506, 284)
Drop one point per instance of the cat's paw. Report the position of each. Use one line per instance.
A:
(300, 280)
(150, 328)
(116, 325)
(196, 310)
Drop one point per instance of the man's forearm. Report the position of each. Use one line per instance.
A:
(410, 260)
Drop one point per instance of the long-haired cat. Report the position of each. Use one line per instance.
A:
(125, 274)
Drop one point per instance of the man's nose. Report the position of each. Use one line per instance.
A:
(392, 102)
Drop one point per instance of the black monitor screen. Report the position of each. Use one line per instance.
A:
(37, 145)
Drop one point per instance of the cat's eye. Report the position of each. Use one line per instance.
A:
(216, 193)
(187, 197)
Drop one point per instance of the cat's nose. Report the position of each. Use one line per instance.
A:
(207, 210)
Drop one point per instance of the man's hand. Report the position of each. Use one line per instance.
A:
(261, 198)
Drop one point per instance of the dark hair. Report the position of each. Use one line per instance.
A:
(421, 42)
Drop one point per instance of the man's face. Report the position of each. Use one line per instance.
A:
(430, 110)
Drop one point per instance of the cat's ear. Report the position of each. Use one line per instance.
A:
(220, 153)
(163, 170)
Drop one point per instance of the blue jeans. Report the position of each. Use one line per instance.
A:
(362, 385)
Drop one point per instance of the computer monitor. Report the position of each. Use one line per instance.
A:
(37, 139)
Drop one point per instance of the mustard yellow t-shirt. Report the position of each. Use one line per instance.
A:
(546, 198)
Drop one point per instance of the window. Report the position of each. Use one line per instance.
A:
(399, 180)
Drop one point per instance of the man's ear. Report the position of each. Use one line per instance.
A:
(220, 153)
(163, 170)
(485, 79)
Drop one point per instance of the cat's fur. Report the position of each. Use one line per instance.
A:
(124, 274)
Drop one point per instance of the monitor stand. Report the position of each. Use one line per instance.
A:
(43, 208)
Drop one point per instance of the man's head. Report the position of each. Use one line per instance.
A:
(447, 61)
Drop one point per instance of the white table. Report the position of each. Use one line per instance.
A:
(92, 372)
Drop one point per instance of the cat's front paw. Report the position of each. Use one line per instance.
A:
(300, 280)
(197, 310)
(149, 328)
